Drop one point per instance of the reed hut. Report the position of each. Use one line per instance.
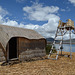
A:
(20, 43)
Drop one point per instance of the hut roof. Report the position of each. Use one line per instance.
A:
(7, 32)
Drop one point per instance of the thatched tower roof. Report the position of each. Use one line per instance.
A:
(7, 32)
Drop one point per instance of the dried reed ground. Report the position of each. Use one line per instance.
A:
(62, 66)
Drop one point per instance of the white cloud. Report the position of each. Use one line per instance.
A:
(3, 12)
(6, 20)
(1, 21)
(72, 1)
(66, 36)
(11, 22)
(39, 12)
(49, 28)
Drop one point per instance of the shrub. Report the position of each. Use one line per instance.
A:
(48, 48)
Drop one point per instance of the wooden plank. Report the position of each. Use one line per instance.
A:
(17, 47)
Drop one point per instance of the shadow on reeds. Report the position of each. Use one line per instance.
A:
(17, 61)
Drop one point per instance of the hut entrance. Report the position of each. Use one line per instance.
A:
(13, 48)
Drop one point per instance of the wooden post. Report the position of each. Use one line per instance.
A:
(70, 43)
(62, 42)
(17, 47)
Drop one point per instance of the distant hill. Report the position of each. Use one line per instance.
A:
(50, 40)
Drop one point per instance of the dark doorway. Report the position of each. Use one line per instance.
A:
(13, 48)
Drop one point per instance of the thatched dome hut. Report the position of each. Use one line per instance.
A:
(20, 43)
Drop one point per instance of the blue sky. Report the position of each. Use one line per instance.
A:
(39, 15)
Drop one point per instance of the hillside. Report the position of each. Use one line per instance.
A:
(62, 66)
(50, 40)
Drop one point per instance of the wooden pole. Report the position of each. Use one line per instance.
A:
(62, 41)
(70, 43)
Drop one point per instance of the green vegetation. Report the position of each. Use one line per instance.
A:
(48, 48)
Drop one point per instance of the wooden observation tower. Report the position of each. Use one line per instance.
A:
(62, 29)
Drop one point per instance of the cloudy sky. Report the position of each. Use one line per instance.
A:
(39, 15)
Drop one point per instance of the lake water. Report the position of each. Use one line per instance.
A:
(66, 47)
